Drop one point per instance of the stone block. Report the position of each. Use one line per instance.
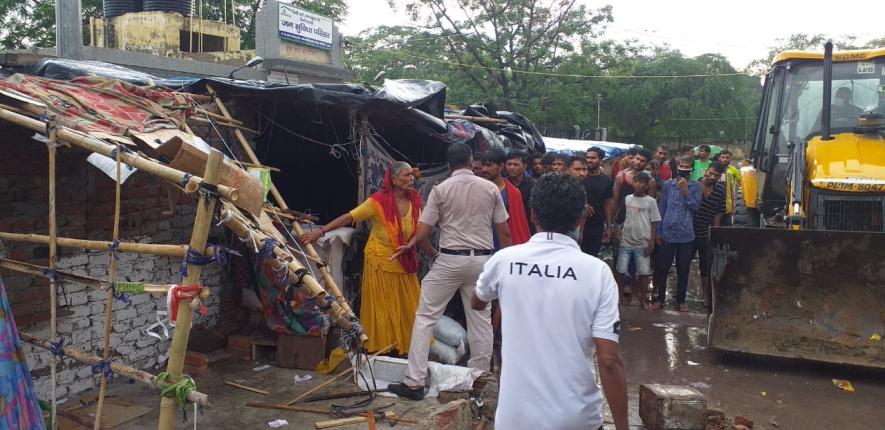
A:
(670, 407)
(450, 396)
(125, 314)
(455, 415)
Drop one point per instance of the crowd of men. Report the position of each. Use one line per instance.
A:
(525, 231)
(652, 210)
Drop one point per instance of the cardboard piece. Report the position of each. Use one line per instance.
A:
(190, 158)
(116, 413)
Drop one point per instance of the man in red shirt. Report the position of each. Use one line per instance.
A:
(664, 171)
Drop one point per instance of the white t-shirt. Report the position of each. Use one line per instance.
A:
(554, 300)
(641, 213)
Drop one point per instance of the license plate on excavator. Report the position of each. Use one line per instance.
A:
(813, 295)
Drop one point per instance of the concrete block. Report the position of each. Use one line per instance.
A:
(121, 327)
(125, 314)
(80, 386)
(670, 407)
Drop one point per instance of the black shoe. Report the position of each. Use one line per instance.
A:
(406, 392)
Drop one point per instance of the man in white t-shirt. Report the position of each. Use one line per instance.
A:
(558, 305)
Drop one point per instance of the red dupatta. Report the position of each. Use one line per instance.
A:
(384, 202)
(518, 221)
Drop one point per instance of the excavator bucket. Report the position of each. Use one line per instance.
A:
(813, 295)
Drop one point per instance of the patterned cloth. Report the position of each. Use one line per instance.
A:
(19, 409)
(94, 104)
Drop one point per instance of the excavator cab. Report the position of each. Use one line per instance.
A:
(806, 279)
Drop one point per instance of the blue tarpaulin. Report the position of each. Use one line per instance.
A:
(612, 149)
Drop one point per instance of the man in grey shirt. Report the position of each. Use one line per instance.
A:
(462, 206)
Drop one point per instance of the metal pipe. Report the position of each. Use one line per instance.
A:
(828, 90)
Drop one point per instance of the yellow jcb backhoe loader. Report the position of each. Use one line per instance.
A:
(804, 276)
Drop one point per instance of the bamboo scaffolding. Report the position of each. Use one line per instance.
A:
(202, 224)
(53, 249)
(109, 297)
(95, 283)
(120, 369)
(241, 226)
(95, 145)
(98, 245)
(324, 268)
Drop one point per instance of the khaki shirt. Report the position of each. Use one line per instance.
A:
(464, 207)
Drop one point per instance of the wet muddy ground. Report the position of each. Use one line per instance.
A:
(669, 348)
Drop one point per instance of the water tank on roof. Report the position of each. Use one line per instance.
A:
(184, 7)
(114, 8)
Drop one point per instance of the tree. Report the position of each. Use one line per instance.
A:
(506, 46)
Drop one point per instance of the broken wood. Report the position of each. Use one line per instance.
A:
(98, 245)
(260, 166)
(224, 124)
(478, 119)
(338, 422)
(244, 387)
(120, 369)
(340, 375)
(368, 417)
(90, 143)
(202, 224)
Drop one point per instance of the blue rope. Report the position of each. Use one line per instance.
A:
(114, 249)
(56, 348)
(122, 297)
(267, 251)
(220, 256)
(51, 274)
(103, 367)
(185, 179)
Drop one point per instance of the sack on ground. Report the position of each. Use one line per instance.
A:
(446, 354)
(449, 332)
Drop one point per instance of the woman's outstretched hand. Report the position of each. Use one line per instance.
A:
(310, 237)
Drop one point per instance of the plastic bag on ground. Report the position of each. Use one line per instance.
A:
(446, 354)
(449, 332)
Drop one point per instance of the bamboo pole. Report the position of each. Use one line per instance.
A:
(99, 245)
(95, 145)
(224, 124)
(324, 268)
(282, 258)
(478, 119)
(246, 387)
(109, 297)
(120, 369)
(53, 249)
(94, 283)
(202, 224)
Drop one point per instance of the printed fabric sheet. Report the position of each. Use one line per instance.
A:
(19, 408)
(96, 104)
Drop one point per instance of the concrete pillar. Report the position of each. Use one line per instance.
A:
(69, 29)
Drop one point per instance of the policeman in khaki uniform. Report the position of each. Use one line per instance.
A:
(463, 207)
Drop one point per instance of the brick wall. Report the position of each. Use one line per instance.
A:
(85, 201)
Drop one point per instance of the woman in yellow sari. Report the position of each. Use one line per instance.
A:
(390, 289)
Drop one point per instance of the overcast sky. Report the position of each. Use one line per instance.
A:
(742, 30)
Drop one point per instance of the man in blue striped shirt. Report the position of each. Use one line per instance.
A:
(679, 199)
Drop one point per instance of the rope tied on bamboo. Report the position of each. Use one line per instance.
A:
(186, 179)
(114, 249)
(187, 293)
(54, 276)
(103, 367)
(129, 287)
(123, 149)
(220, 256)
(178, 390)
(57, 348)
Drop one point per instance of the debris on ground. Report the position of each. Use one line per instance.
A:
(843, 385)
(262, 367)
(743, 421)
(300, 379)
(278, 423)
(876, 338)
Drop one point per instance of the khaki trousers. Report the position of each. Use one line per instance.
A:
(449, 274)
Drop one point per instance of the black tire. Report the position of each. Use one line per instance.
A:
(744, 216)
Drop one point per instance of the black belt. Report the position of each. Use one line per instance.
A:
(467, 252)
